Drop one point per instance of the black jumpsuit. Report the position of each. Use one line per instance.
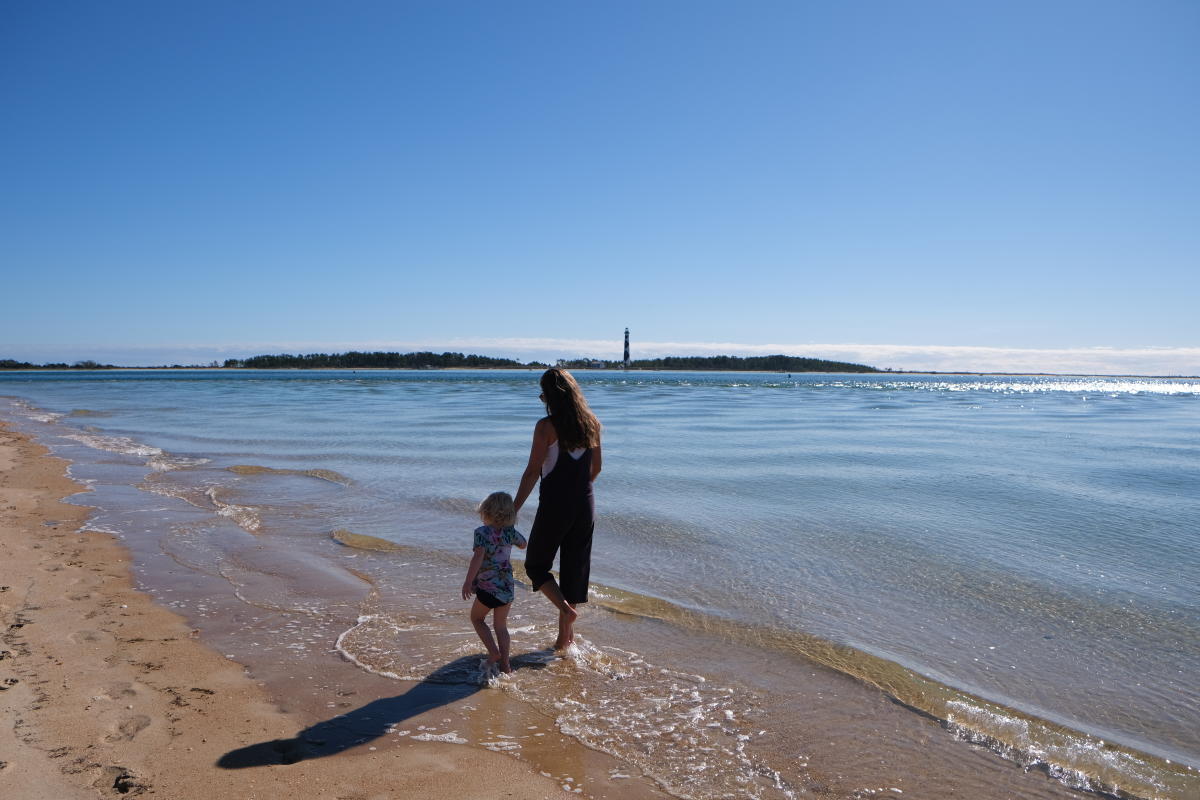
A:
(564, 522)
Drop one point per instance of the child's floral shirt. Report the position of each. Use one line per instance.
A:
(495, 574)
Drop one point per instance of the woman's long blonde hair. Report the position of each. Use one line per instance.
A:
(573, 421)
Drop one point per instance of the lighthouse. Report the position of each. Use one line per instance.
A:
(627, 348)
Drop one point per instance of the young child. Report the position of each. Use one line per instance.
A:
(490, 576)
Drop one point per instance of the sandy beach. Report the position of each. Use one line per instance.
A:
(104, 693)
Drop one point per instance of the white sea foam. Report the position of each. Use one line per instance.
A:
(350, 654)
(1077, 760)
(246, 517)
(158, 459)
(95, 527)
(686, 733)
(166, 462)
(502, 746)
(115, 444)
(30, 411)
(1088, 386)
(678, 728)
(193, 496)
(452, 737)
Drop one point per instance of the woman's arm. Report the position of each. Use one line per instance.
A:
(468, 587)
(596, 459)
(537, 456)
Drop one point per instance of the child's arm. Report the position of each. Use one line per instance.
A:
(468, 587)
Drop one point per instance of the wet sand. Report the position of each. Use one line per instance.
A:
(104, 693)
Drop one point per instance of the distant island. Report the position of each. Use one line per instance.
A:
(8, 363)
(429, 360)
(779, 363)
(355, 360)
(351, 360)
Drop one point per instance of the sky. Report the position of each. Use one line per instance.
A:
(1008, 186)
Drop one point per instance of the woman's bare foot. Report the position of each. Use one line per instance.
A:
(566, 628)
(566, 613)
(505, 666)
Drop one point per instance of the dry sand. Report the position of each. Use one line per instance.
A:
(104, 693)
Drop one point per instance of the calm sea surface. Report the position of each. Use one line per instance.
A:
(1017, 557)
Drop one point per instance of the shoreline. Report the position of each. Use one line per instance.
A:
(109, 693)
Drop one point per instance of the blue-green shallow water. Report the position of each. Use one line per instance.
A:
(1032, 541)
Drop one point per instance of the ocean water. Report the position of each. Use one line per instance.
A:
(1014, 559)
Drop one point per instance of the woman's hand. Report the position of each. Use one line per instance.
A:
(467, 590)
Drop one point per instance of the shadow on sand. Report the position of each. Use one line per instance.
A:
(445, 685)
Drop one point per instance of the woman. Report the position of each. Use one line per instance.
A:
(566, 457)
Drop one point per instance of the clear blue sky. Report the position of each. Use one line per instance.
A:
(220, 178)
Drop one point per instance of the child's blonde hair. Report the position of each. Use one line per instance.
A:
(497, 510)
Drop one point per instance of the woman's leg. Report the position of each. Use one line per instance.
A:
(479, 614)
(544, 538)
(566, 629)
(548, 527)
(566, 613)
(575, 560)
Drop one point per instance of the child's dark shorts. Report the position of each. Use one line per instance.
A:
(488, 599)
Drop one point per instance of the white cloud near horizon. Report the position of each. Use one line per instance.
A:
(936, 358)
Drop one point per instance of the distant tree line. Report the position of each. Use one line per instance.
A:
(429, 360)
(778, 363)
(357, 360)
(8, 363)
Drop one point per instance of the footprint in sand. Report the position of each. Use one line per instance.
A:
(118, 780)
(128, 729)
(79, 637)
(116, 691)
